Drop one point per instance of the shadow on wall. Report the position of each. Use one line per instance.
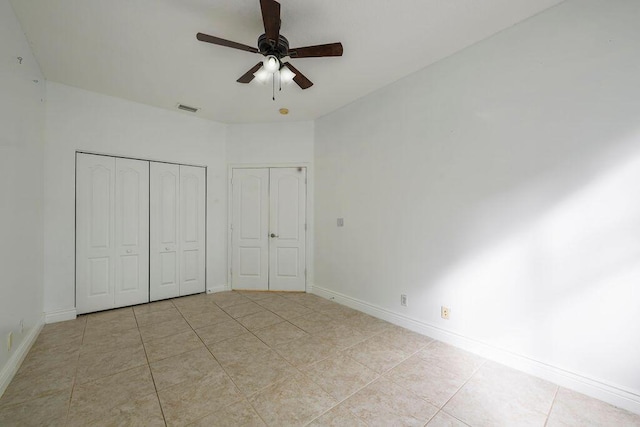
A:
(502, 182)
(567, 276)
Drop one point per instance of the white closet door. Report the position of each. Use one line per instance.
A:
(95, 232)
(192, 230)
(131, 232)
(288, 192)
(164, 240)
(250, 222)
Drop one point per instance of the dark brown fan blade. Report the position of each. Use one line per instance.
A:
(300, 79)
(331, 49)
(248, 76)
(271, 20)
(227, 43)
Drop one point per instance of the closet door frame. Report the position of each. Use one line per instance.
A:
(309, 254)
(75, 213)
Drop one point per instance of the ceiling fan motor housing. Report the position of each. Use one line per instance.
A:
(279, 51)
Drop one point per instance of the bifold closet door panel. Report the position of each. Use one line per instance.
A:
(164, 260)
(131, 232)
(112, 232)
(192, 230)
(95, 232)
(250, 229)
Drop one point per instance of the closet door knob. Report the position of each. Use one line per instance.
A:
(167, 248)
(274, 235)
(128, 251)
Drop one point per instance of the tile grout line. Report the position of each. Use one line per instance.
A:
(553, 402)
(219, 364)
(342, 351)
(149, 366)
(76, 386)
(295, 367)
(462, 386)
(75, 375)
(382, 376)
(379, 375)
(452, 416)
(339, 351)
(226, 373)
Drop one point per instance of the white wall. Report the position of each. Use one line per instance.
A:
(502, 182)
(21, 213)
(271, 144)
(86, 121)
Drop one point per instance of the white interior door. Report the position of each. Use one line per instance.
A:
(192, 230)
(164, 244)
(131, 232)
(250, 229)
(95, 232)
(268, 239)
(287, 242)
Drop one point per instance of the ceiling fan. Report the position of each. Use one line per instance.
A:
(274, 47)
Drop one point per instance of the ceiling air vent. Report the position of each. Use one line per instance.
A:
(187, 108)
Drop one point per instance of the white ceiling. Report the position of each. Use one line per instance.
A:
(146, 50)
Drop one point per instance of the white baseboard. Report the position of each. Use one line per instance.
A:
(610, 393)
(16, 359)
(60, 315)
(221, 288)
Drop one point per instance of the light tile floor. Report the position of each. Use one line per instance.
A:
(277, 359)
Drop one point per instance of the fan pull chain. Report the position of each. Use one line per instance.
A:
(273, 86)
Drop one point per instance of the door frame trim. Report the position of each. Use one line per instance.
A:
(309, 241)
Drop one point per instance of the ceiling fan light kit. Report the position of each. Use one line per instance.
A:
(274, 47)
(271, 64)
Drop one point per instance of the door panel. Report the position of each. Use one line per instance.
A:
(168, 272)
(99, 277)
(129, 277)
(250, 222)
(287, 226)
(167, 204)
(192, 229)
(95, 232)
(132, 232)
(164, 245)
(287, 262)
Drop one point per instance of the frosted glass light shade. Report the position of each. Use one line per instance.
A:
(286, 75)
(271, 64)
(262, 75)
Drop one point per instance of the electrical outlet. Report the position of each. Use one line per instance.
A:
(403, 300)
(9, 341)
(444, 312)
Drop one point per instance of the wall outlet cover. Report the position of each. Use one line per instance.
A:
(403, 300)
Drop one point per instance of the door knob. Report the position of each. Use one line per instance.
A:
(128, 251)
(167, 248)
(273, 235)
